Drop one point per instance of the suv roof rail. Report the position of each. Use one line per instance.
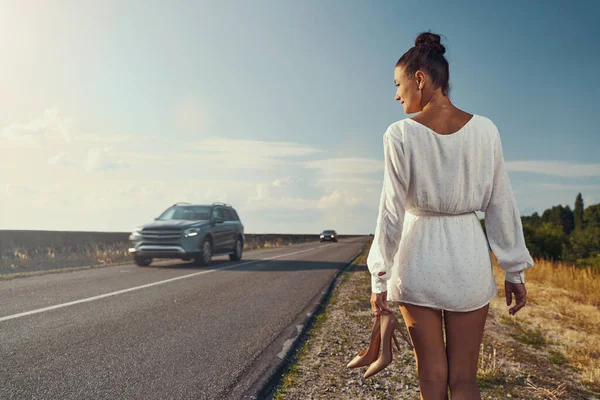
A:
(180, 202)
(218, 203)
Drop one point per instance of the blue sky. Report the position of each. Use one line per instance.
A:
(111, 111)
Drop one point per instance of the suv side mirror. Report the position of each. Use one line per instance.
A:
(218, 220)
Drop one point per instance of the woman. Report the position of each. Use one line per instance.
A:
(441, 166)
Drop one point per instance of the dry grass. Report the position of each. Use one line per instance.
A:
(582, 284)
(42, 258)
(553, 394)
(258, 244)
(490, 366)
(559, 325)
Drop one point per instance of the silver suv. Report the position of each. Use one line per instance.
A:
(190, 232)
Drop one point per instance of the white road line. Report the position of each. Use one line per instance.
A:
(71, 303)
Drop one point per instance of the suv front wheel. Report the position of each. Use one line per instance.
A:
(205, 254)
(142, 261)
(238, 250)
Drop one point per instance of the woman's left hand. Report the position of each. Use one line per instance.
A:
(379, 304)
(520, 293)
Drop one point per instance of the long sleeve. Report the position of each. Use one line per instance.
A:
(503, 223)
(390, 219)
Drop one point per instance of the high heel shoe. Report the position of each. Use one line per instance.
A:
(370, 354)
(389, 323)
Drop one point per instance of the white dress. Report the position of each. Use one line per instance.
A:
(429, 243)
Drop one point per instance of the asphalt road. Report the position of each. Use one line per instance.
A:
(124, 333)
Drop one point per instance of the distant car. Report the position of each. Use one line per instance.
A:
(329, 236)
(189, 232)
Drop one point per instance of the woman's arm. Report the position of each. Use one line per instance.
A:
(503, 223)
(391, 211)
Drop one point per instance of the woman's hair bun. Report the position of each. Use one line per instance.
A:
(428, 40)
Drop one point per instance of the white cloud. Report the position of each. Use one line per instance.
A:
(103, 159)
(349, 178)
(218, 153)
(283, 193)
(300, 195)
(349, 181)
(589, 200)
(339, 198)
(255, 148)
(61, 159)
(570, 187)
(353, 201)
(329, 201)
(557, 168)
(283, 182)
(239, 153)
(105, 139)
(10, 188)
(341, 167)
(40, 130)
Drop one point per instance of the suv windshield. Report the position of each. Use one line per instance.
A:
(188, 213)
(328, 232)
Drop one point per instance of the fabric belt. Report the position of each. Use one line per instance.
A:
(428, 213)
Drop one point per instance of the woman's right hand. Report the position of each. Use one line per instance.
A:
(379, 304)
(520, 293)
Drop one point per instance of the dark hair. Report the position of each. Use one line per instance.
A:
(427, 55)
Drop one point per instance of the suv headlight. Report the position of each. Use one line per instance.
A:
(137, 232)
(191, 232)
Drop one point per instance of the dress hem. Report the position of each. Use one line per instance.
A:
(446, 309)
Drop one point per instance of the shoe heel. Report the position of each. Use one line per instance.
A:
(396, 341)
(406, 339)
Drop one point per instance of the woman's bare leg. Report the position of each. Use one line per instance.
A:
(425, 328)
(464, 332)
